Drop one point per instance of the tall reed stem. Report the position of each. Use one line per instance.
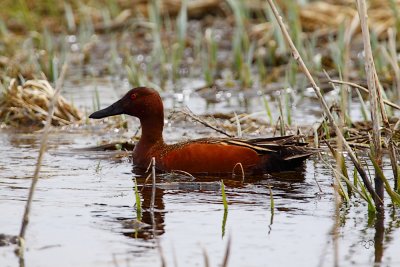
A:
(42, 150)
(153, 190)
(373, 95)
(317, 90)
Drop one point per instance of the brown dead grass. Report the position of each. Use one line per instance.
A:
(28, 104)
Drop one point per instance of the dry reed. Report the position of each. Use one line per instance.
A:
(28, 104)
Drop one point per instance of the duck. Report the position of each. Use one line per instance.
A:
(213, 155)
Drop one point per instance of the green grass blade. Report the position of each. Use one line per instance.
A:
(268, 110)
(224, 201)
(393, 195)
(138, 203)
(272, 204)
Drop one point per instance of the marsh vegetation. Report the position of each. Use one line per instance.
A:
(325, 71)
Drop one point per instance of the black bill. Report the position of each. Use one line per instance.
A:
(114, 109)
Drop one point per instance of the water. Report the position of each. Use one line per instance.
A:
(84, 211)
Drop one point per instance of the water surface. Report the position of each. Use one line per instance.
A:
(84, 211)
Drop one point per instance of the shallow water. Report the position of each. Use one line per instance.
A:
(84, 210)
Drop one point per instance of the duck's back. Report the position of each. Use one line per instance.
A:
(226, 155)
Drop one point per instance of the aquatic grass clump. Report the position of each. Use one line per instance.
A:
(28, 105)
(242, 49)
(210, 56)
(375, 92)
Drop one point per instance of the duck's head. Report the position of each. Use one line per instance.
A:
(141, 102)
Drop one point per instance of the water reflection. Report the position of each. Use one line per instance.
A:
(23, 140)
(152, 223)
(292, 186)
(100, 203)
(379, 236)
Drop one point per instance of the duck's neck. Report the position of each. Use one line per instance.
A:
(152, 122)
(152, 129)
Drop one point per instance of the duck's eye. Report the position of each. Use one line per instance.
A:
(133, 96)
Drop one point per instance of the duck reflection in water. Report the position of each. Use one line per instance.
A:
(151, 221)
(285, 183)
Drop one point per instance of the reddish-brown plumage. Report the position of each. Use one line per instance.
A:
(212, 155)
(210, 158)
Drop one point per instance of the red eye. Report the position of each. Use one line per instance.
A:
(133, 96)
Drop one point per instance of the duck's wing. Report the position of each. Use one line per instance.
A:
(288, 147)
